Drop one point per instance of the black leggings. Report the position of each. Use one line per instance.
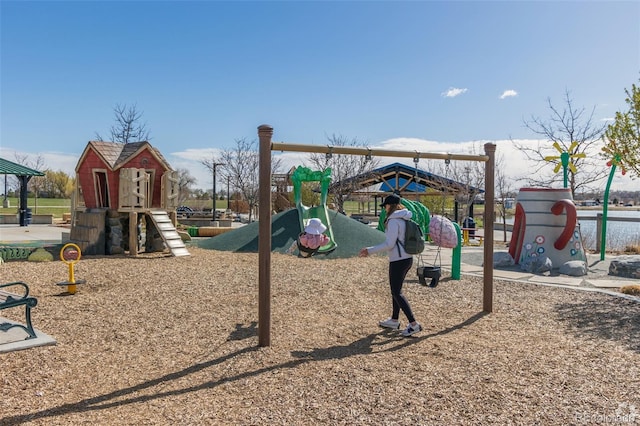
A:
(397, 273)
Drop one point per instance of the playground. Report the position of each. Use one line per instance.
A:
(158, 339)
(174, 340)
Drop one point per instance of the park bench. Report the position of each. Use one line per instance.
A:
(12, 300)
(466, 236)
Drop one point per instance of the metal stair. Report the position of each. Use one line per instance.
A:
(168, 232)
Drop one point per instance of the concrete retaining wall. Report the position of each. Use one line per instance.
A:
(36, 219)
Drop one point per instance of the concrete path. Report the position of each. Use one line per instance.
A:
(597, 277)
(14, 339)
(46, 234)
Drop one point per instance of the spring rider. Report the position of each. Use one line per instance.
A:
(71, 254)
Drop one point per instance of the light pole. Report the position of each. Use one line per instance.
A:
(228, 194)
(5, 202)
(213, 213)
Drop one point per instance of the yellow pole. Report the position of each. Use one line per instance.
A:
(71, 288)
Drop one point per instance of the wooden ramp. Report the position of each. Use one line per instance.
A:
(168, 232)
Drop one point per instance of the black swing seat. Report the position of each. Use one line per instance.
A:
(432, 272)
(12, 300)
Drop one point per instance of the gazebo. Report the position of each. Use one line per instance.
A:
(406, 181)
(24, 175)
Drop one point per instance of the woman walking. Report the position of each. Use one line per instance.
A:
(400, 263)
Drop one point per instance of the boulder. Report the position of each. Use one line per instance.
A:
(627, 266)
(575, 268)
(537, 265)
(502, 259)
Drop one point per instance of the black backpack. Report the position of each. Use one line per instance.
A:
(413, 238)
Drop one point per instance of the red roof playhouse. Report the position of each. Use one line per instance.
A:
(125, 192)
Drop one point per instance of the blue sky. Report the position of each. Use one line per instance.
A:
(422, 75)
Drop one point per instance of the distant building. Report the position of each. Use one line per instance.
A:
(588, 203)
(509, 203)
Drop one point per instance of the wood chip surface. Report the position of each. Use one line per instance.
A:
(157, 340)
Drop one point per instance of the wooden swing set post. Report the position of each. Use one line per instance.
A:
(489, 212)
(265, 134)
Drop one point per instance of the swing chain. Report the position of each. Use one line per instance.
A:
(329, 154)
(445, 192)
(368, 156)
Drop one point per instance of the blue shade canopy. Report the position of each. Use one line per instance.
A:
(400, 178)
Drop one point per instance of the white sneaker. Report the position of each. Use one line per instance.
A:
(411, 329)
(390, 323)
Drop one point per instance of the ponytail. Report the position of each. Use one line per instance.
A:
(394, 207)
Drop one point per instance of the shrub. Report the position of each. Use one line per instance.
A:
(633, 290)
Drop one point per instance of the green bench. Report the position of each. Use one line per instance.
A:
(12, 300)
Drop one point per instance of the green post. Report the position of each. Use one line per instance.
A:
(456, 258)
(564, 158)
(605, 208)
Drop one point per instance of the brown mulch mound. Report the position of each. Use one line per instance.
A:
(163, 340)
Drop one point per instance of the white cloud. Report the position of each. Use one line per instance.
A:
(508, 94)
(195, 154)
(608, 119)
(452, 92)
(56, 161)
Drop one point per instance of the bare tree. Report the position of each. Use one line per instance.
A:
(128, 126)
(504, 190)
(343, 166)
(565, 127)
(470, 178)
(241, 164)
(185, 183)
(14, 182)
(36, 182)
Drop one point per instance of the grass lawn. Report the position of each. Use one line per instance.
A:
(54, 206)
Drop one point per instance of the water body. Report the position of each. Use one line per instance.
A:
(619, 234)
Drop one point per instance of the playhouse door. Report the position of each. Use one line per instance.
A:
(134, 189)
(102, 189)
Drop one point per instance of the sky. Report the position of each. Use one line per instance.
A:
(409, 75)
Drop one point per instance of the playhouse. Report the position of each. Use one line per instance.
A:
(121, 190)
